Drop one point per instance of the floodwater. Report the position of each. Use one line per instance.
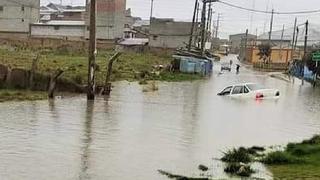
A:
(136, 133)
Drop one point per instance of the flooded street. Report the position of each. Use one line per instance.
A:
(134, 134)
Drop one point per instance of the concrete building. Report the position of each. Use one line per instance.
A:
(110, 19)
(236, 40)
(16, 16)
(60, 12)
(167, 33)
(68, 30)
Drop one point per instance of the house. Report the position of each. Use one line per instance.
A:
(167, 33)
(16, 16)
(236, 41)
(59, 12)
(110, 19)
(68, 30)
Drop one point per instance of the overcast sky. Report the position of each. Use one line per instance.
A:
(233, 20)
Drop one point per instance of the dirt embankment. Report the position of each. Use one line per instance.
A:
(17, 78)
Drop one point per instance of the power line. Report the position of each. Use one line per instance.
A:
(268, 12)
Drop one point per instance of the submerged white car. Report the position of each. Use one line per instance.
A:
(249, 90)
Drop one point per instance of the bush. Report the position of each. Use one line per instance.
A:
(238, 169)
(237, 155)
(314, 140)
(279, 158)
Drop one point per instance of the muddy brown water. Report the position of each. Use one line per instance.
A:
(133, 134)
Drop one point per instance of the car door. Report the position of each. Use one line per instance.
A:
(226, 91)
(237, 91)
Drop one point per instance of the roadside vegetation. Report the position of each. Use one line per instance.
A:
(130, 66)
(296, 161)
(21, 95)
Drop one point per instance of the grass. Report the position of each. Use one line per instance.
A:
(240, 155)
(298, 161)
(129, 66)
(21, 95)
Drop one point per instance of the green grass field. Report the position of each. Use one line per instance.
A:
(128, 66)
(298, 161)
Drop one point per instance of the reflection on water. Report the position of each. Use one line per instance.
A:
(134, 134)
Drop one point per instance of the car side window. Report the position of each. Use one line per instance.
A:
(238, 90)
(246, 90)
(226, 91)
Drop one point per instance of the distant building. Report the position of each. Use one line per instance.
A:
(68, 30)
(236, 40)
(16, 16)
(167, 33)
(110, 18)
(60, 12)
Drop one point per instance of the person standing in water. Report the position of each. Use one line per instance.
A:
(238, 68)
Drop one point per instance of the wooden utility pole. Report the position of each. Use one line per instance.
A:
(293, 39)
(92, 52)
(296, 40)
(193, 24)
(218, 24)
(203, 26)
(305, 49)
(280, 52)
(245, 45)
(271, 26)
(208, 21)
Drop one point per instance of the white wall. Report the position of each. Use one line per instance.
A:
(14, 19)
(62, 31)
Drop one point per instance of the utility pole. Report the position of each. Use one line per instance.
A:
(245, 45)
(92, 52)
(87, 3)
(305, 49)
(193, 24)
(151, 10)
(271, 25)
(296, 40)
(293, 39)
(282, 33)
(208, 21)
(203, 26)
(218, 24)
(196, 39)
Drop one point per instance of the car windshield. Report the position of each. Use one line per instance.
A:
(254, 87)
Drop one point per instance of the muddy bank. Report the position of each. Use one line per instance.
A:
(17, 78)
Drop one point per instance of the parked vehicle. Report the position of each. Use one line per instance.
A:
(249, 90)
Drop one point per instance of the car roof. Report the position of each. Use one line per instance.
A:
(243, 84)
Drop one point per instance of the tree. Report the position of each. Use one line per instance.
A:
(264, 52)
(312, 64)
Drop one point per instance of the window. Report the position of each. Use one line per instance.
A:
(1, 8)
(56, 27)
(22, 8)
(22, 20)
(226, 91)
(238, 90)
